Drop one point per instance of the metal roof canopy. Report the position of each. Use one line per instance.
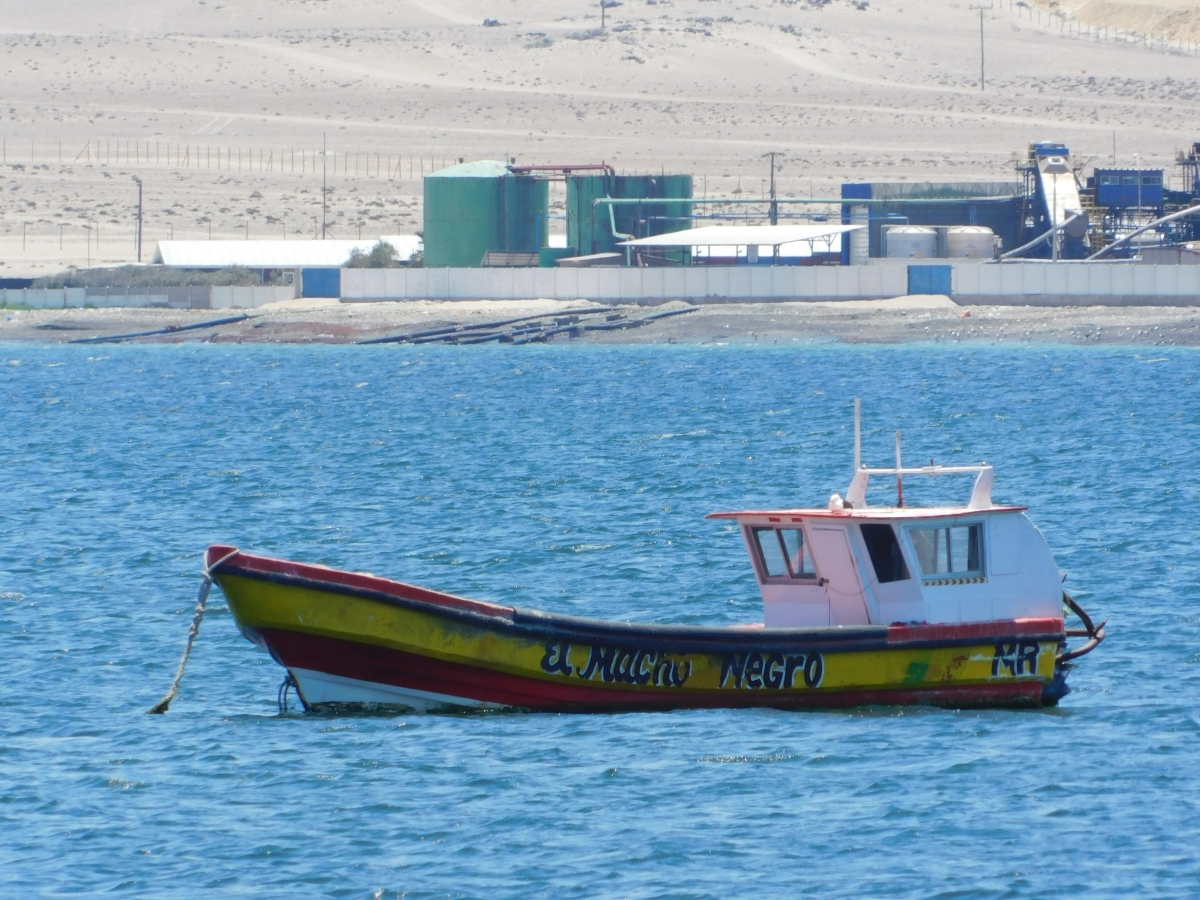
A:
(258, 254)
(743, 236)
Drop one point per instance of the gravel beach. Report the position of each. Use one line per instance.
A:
(899, 320)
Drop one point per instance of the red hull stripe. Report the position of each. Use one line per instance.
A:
(976, 631)
(248, 564)
(397, 668)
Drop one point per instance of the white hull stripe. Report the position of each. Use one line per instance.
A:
(320, 687)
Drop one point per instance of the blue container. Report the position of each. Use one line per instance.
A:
(1118, 188)
(320, 282)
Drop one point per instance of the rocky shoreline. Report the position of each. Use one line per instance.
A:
(900, 320)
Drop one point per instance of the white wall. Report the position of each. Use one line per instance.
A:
(78, 298)
(1077, 284)
(642, 285)
(249, 297)
(44, 298)
(1012, 284)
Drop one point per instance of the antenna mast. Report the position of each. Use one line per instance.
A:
(857, 434)
(899, 480)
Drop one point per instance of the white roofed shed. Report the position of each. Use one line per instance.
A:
(747, 240)
(270, 254)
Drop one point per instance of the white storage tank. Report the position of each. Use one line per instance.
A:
(970, 242)
(911, 242)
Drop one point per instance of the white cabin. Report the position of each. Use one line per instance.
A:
(854, 565)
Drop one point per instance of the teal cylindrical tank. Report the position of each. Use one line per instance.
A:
(473, 208)
(526, 207)
(590, 226)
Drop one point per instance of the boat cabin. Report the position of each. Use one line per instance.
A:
(851, 564)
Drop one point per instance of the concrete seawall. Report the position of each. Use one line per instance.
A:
(1009, 284)
(1121, 284)
(193, 297)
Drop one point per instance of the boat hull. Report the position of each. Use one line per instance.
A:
(356, 640)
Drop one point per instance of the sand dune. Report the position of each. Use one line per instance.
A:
(221, 106)
(1175, 18)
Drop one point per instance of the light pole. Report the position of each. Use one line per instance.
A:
(1138, 175)
(139, 218)
(773, 215)
(606, 5)
(1054, 224)
(982, 81)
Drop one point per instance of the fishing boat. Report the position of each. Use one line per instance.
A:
(954, 606)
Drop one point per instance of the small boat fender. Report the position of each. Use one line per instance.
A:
(194, 629)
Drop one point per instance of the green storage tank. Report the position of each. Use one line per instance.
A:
(472, 208)
(589, 225)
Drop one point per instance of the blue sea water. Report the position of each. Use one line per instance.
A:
(575, 479)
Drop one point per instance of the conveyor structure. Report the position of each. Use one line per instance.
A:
(1052, 194)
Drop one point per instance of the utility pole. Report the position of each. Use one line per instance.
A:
(1138, 170)
(1054, 236)
(139, 218)
(773, 213)
(982, 79)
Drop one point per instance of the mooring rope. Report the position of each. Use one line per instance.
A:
(201, 601)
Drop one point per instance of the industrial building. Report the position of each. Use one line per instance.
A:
(606, 209)
(491, 213)
(494, 213)
(995, 205)
(1052, 213)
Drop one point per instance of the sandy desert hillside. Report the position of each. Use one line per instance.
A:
(1171, 18)
(221, 106)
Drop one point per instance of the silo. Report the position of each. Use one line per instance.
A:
(590, 225)
(911, 242)
(472, 208)
(970, 242)
(526, 206)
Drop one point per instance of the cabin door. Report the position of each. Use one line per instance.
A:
(836, 566)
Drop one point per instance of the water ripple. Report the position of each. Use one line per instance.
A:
(573, 479)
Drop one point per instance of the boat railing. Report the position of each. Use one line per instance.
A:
(981, 493)
(856, 494)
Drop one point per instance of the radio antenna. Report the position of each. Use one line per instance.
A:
(857, 434)
(899, 480)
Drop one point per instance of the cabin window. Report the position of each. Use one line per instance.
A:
(885, 554)
(783, 553)
(954, 550)
(798, 558)
(771, 551)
